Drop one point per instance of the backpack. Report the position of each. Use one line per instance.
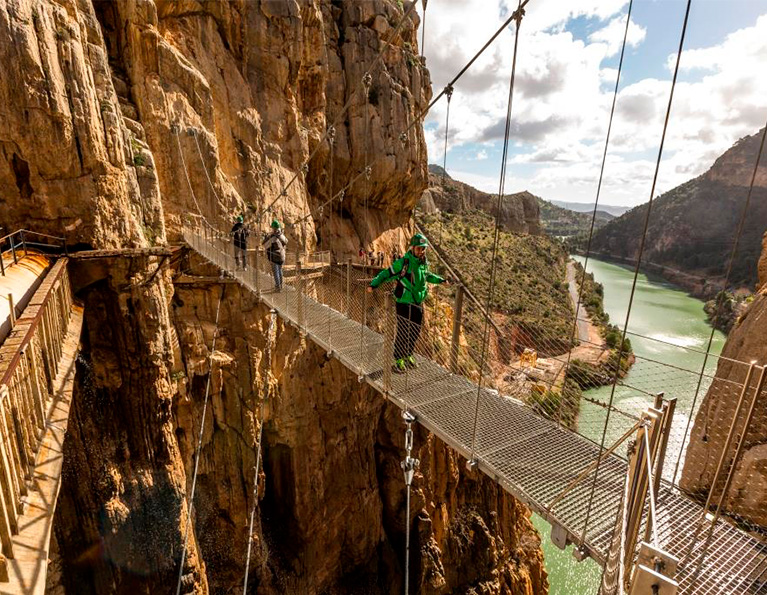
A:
(399, 290)
(274, 251)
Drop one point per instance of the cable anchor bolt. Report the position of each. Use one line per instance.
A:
(449, 91)
(403, 138)
(331, 134)
(367, 80)
(368, 172)
(305, 168)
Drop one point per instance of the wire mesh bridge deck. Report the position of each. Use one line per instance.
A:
(530, 456)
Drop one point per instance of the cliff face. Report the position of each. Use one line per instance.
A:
(747, 342)
(119, 120)
(110, 104)
(520, 212)
(331, 511)
(693, 226)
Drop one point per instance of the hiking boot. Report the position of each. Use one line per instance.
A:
(410, 361)
(399, 366)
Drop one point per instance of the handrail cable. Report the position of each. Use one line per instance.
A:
(199, 444)
(719, 303)
(636, 269)
(596, 201)
(517, 16)
(423, 29)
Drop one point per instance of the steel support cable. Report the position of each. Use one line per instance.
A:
(189, 182)
(198, 449)
(268, 359)
(650, 482)
(733, 253)
(346, 106)
(366, 82)
(599, 190)
(449, 94)
(423, 29)
(517, 16)
(638, 264)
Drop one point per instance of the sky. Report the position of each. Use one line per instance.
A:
(567, 65)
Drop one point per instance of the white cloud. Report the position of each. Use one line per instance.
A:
(481, 155)
(612, 35)
(563, 95)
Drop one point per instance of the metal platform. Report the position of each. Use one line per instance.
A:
(530, 456)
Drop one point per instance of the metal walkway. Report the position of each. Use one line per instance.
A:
(530, 456)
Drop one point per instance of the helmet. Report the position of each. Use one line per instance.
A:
(275, 224)
(240, 218)
(419, 240)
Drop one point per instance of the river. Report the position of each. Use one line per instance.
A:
(668, 332)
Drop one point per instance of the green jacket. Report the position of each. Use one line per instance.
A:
(411, 282)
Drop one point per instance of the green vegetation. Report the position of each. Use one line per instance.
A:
(730, 307)
(530, 293)
(560, 222)
(692, 227)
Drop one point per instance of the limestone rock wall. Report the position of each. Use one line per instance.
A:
(746, 342)
(69, 165)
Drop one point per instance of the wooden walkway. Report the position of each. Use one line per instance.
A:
(37, 368)
(531, 457)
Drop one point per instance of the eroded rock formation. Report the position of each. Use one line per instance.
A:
(120, 119)
(520, 211)
(747, 342)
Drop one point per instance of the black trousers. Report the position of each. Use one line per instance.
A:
(409, 319)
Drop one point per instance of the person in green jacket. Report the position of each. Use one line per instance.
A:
(411, 272)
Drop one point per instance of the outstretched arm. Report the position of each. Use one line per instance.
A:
(433, 278)
(389, 274)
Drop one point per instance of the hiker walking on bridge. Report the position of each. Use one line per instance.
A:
(275, 244)
(411, 272)
(239, 235)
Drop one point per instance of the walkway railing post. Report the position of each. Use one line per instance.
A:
(23, 242)
(12, 309)
(13, 248)
(349, 288)
(300, 293)
(455, 342)
(387, 354)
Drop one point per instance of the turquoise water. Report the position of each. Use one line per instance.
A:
(669, 334)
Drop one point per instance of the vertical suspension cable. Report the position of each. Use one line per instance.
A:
(517, 15)
(268, 359)
(423, 30)
(720, 297)
(198, 449)
(366, 82)
(636, 275)
(449, 95)
(596, 204)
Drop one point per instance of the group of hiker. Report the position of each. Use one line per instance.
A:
(410, 274)
(274, 243)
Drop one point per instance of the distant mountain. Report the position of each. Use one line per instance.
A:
(693, 227)
(438, 170)
(521, 213)
(583, 207)
(563, 222)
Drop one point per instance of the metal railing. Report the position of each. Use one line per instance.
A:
(29, 365)
(15, 246)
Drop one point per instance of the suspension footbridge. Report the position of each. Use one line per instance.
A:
(541, 462)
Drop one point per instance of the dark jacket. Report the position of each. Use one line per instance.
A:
(275, 244)
(240, 234)
(412, 274)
